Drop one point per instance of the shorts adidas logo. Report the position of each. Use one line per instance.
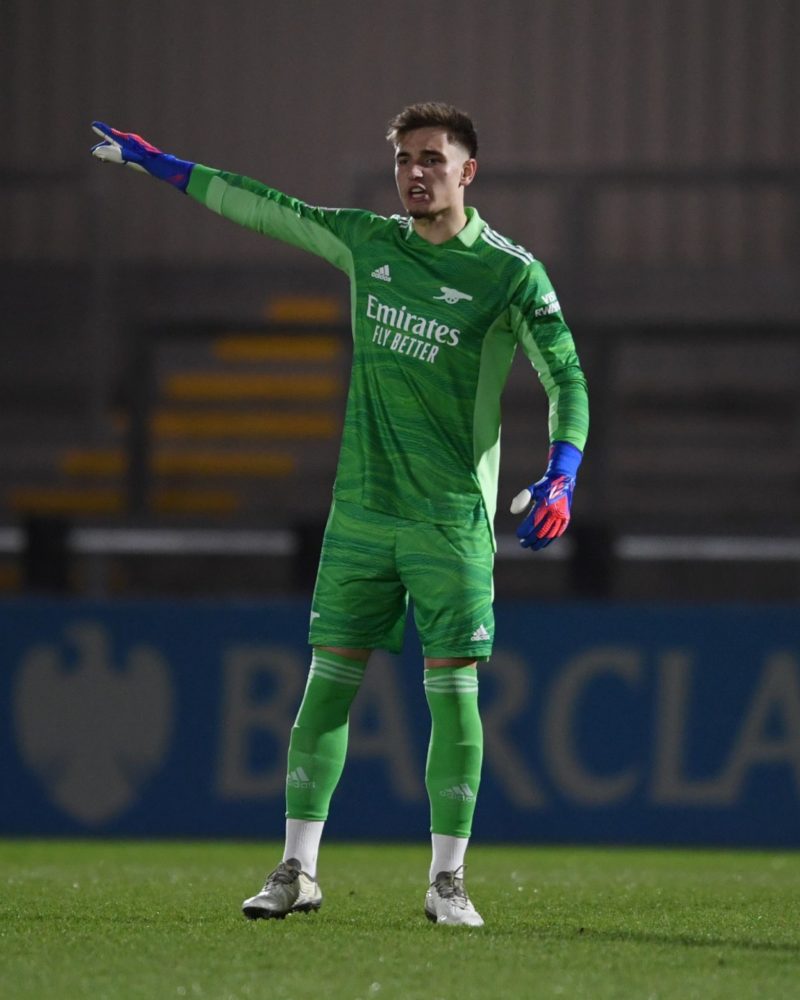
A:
(463, 793)
(382, 273)
(480, 635)
(299, 779)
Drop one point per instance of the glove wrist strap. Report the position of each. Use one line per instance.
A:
(171, 169)
(564, 459)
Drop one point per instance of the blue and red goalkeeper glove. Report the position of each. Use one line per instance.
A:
(134, 151)
(550, 498)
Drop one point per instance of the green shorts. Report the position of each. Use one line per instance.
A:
(371, 563)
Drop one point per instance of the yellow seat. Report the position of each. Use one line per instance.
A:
(222, 385)
(113, 462)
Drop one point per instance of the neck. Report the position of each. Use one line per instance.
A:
(442, 227)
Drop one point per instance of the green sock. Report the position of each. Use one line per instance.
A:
(453, 771)
(318, 743)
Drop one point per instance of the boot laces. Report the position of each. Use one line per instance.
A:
(284, 874)
(450, 885)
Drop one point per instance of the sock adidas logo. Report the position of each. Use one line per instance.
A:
(480, 635)
(299, 779)
(461, 792)
(382, 273)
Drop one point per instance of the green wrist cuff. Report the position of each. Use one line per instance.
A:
(199, 182)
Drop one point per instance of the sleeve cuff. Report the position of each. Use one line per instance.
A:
(199, 182)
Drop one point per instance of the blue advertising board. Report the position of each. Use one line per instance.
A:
(603, 723)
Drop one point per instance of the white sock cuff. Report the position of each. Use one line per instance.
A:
(303, 837)
(448, 853)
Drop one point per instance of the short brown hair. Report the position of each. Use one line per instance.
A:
(434, 114)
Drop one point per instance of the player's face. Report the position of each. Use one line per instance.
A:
(431, 173)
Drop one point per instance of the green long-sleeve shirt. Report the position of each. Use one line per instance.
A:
(435, 329)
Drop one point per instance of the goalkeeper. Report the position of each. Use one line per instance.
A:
(440, 303)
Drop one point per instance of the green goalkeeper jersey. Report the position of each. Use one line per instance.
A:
(435, 329)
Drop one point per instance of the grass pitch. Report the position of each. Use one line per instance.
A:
(158, 920)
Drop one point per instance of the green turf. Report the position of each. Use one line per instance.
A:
(155, 920)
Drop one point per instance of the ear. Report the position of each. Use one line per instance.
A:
(468, 171)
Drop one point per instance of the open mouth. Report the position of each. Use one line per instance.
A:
(417, 193)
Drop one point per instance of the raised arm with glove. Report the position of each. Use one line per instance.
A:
(134, 151)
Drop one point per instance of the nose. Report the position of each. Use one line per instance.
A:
(415, 171)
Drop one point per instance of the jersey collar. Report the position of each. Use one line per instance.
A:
(466, 236)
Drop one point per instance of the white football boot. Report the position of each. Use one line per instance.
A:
(287, 889)
(447, 902)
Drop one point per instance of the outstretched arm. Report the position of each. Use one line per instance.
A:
(327, 232)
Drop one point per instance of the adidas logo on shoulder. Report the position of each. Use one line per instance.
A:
(382, 273)
(480, 635)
